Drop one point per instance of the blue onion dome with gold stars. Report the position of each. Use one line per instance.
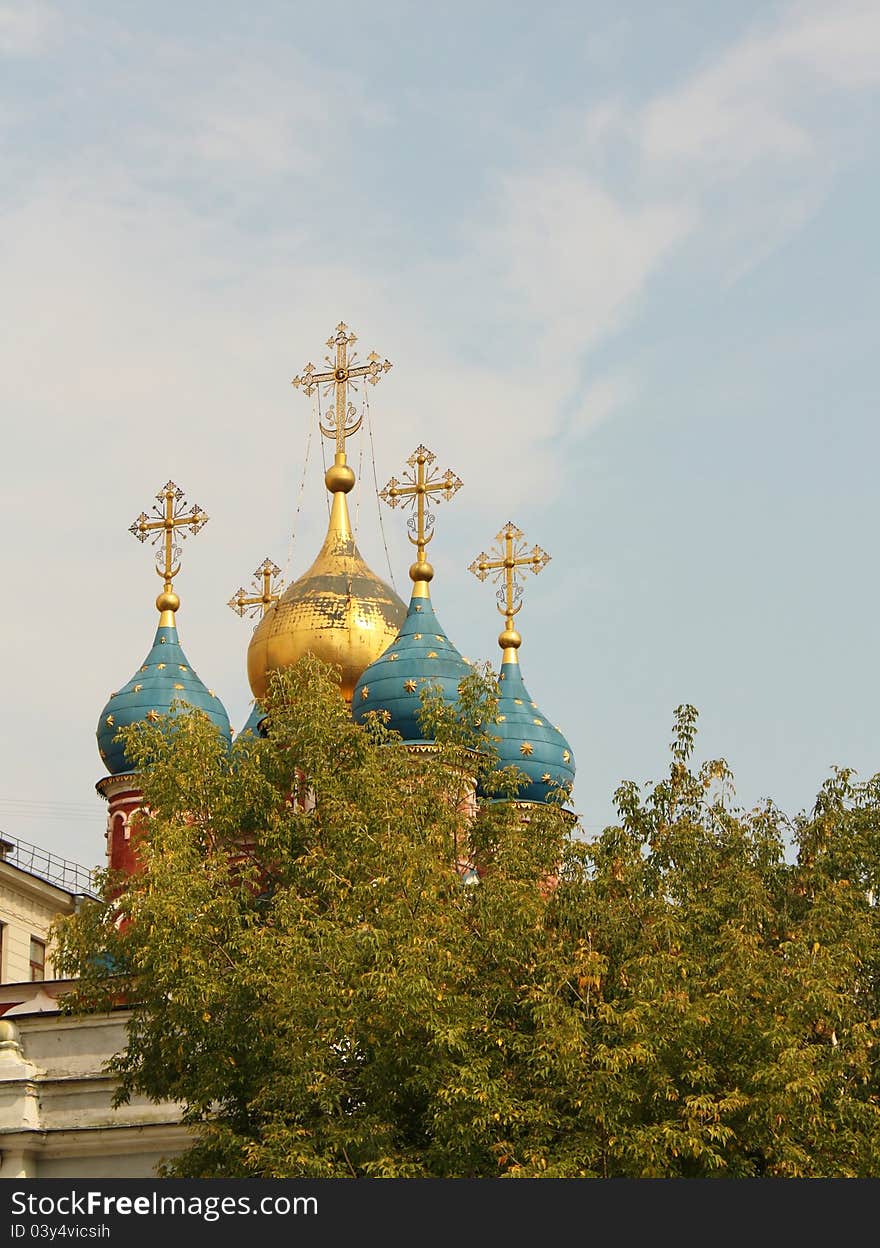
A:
(164, 677)
(527, 740)
(524, 737)
(421, 654)
(253, 721)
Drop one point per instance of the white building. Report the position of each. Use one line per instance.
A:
(57, 1119)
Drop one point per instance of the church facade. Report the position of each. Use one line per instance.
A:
(56, 1113)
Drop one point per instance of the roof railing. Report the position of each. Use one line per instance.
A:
(62, 872)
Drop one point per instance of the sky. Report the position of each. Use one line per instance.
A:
(624, 261)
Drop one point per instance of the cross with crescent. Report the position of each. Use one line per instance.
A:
(342, 371)
(512, 554)
(418, 487)
(171, 518)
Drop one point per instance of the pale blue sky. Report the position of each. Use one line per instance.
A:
(625, 266)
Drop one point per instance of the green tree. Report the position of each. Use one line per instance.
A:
(317, 985)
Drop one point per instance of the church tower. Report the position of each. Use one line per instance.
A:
(165, 677)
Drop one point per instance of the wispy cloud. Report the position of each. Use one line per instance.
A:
(601, 400)
(759, 101)
(27, 29)
(227, 117)
(728, 162)
(576, 254)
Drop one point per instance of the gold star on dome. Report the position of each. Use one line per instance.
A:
(109, 721)
(566, 756)
(546, 777)
(136, 688)
(153, 716)
(409, 686)
(365, 693)
(392, 658)
(526, 749)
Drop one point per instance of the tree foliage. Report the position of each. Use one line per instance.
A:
(317, 985)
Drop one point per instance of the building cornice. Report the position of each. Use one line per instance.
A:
(35, 887)
(110, 786)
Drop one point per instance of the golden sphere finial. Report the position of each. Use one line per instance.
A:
(421, 570)
(509, 639)
(167, 601)
(339, 479)
(8, 1033)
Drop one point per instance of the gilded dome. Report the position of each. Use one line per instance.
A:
(338, 610)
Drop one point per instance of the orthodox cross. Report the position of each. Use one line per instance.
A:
(511, 555)
(343, 371)
(418, 487)
(171, 518)
(267, 591)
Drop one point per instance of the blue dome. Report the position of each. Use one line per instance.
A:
(164, 676)
(529, 742)
(254, 720)
(421, 654)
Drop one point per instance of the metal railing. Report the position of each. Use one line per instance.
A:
(61, 872)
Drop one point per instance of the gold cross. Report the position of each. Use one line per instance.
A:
(342, 373)
(418, 487)
(511, 554)
(267, 591)
(171, 517)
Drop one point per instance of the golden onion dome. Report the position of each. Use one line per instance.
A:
(338, 610)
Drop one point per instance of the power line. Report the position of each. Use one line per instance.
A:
(29, 808)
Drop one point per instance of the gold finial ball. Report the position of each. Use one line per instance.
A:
(509, 639)
(167, 601)
(421, 571)
(339, 479)
(8, 1033)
